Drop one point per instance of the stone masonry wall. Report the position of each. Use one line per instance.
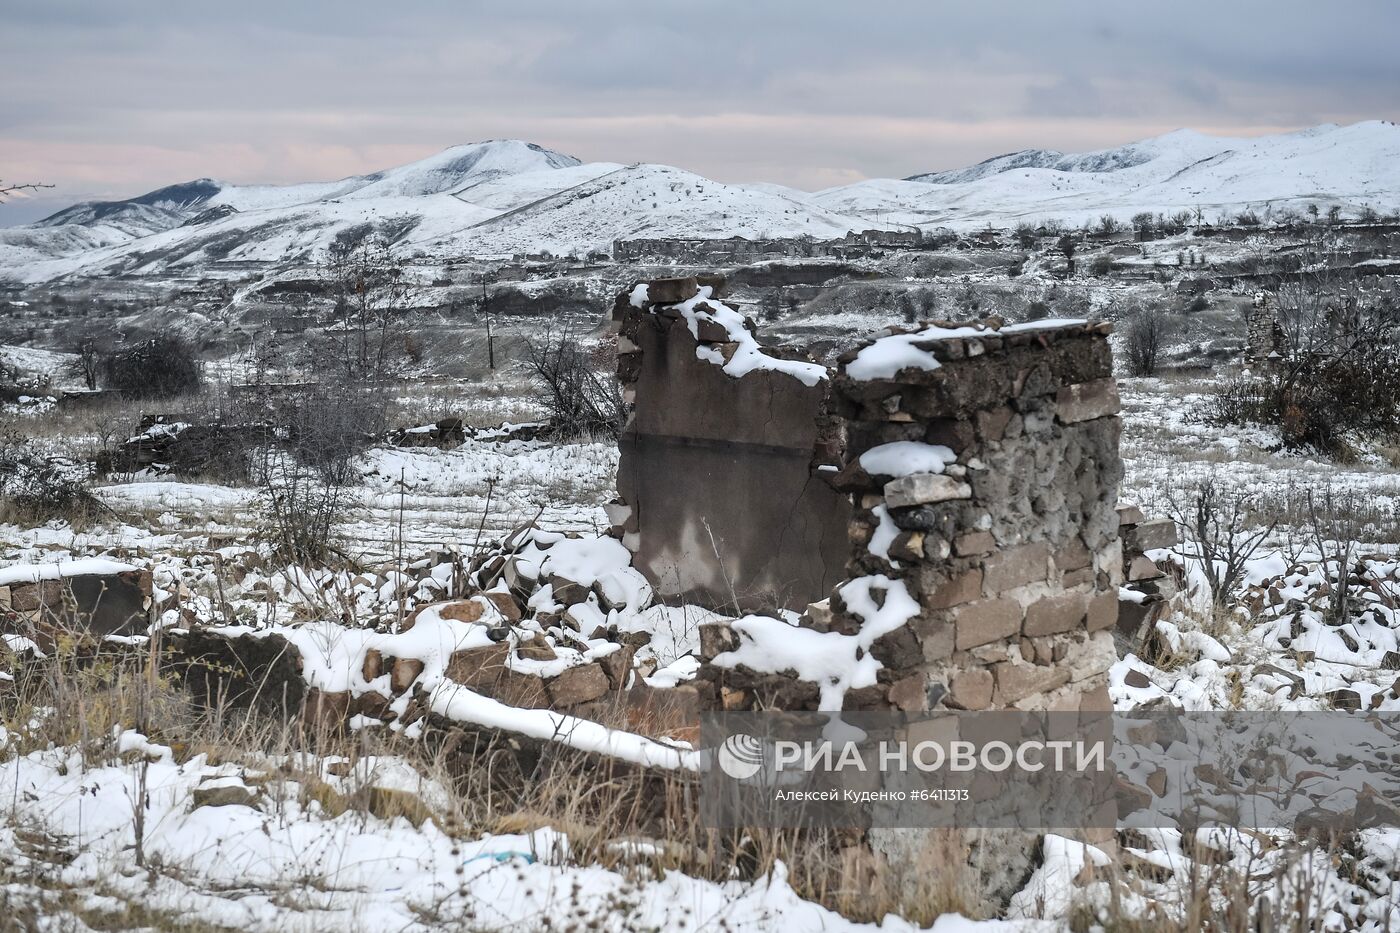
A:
(1007, 540)
(46, 606)
(1012, 552)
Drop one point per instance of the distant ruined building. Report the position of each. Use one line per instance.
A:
(736, 249)
(1264, 333)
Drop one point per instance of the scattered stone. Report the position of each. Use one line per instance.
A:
(577, 684)
(224, 795)
(468, 610)
(537, 648)
(404, 672)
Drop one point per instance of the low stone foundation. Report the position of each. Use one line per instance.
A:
(46, 602)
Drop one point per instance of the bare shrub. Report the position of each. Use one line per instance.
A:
(582, 399)
(328, 428)
(1223, 528)
(161, 367)
(1242, 400)
(305, 473)
(1332, 531)
(373, 294)
(1143, 340)
(1335, 372)
(34, 488)
(300, 509)
(87, 363)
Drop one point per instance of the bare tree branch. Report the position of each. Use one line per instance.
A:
(6, 191)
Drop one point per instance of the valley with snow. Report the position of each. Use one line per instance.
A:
(504, 198)
(373, 552)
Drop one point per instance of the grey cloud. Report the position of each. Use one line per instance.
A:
(793, 92)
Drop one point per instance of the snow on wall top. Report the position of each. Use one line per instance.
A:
(888, 356)
(88, 566)
(748, 356)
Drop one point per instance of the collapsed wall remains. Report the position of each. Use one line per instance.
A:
(90, 597)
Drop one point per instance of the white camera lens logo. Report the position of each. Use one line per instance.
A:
(740, 756)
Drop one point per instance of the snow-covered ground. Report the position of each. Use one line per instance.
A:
(249, 846)
(248, 841)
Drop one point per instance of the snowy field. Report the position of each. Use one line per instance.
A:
(263, 836)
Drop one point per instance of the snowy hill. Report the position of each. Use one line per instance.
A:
(1348, 166)
(506, 196)
(650, 201)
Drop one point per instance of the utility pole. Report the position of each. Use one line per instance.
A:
(490, 338)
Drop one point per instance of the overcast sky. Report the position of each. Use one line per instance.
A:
(111, 99)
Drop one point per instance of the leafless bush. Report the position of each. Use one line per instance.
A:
(327, 428)
(37, 488)
(305, 472)
(373, 294)
(300, 509)
(87, 363)
(1242, 400)
(581, 397)
(1143, 340)
(1336, 368)
(1332, 532)
(1222, 526)
(161, 367)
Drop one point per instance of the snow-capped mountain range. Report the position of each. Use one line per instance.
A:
(505, 196)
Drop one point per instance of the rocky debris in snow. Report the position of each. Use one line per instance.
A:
(508, 431)
(555, 623)
(1150, 591)
(223, 792)
(445, 434)
(183, 444)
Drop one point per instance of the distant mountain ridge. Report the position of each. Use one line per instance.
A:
(501, 197)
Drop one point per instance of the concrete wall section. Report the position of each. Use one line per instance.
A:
(721, 497)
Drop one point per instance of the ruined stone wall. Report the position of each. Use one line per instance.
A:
(984, 468)
(1012, 551)
(985, 556)
(49, 602)
(722, 496)
(1263, 334)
